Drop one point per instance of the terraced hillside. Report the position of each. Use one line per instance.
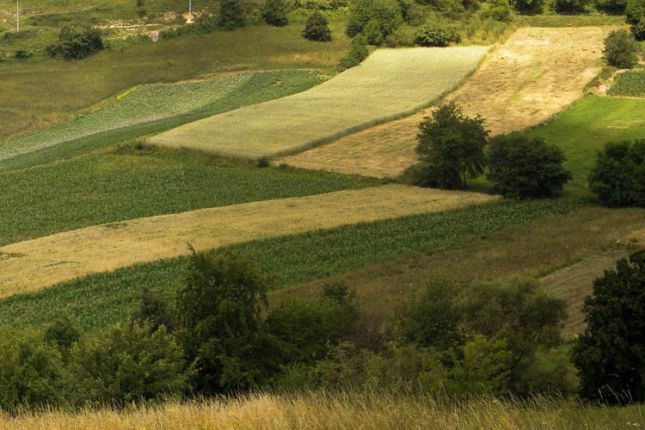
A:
(537, 73)
(39, 263)
(389, 84)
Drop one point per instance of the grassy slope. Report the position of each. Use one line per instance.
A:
(135, 183)
(115, 123)
(587, 126)
(101, 300)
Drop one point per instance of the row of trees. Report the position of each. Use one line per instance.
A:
(219, 337)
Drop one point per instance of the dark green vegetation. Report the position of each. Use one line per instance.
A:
(275, 13)
(316, 28)
(621, 49)
(358, 52)
(159, 181)
(525, 167)
(436, 35)
(611, 352)
(101, 300)
(630, 83)
(76, 44)
(618, 178)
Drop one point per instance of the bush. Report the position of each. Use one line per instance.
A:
(400, 37)
(31, 372)
(616, 7)
(435, 34)
(316, 28)
(528, 6)
(230, 15)
(382, 14)
(128, 364)
(451, 9)
(526, 167)
(499, 10)
(275, 13)
(451, 149)
(23, 54)
(618, 178)
(373, 32)
(62, 334)
(570, 6)
(638, 30)
(357, 53)
(413, 13)
(154, 312)
(485, 367)
(621, 49)
(610, 355)
(76, 44)
(635, 11)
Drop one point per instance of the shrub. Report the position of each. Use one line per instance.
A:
(618, 178)
(615, 7)
(23, 54)
(275, 13)
(451, 9)
(484, 368)
(528, 6)
(570, 6)
(230, 15)
(128, 364)
(316, 28)
(413, 13)
(357, 53)
(384, 14)
(635, 11)
(31, 372)
(610, 355)
(154, 312)
(499, 10)
(76, 44)
(218, 311)
(451, 149)
(62, 334)
(638, 30)
(621, 49)
(400, 37)
(526, 167)
(373, 32)
(435, 34)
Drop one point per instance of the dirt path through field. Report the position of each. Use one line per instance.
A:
(35, 264)
(536, 74)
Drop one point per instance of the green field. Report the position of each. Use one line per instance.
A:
(135, 183)
(587, 126)
(630, 83)
(154, 107)
(389, 84)
(101, 300)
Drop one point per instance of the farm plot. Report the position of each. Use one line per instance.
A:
(630, 83)
(156, 102)
(31, 265)
(389, 84)
(537, 73)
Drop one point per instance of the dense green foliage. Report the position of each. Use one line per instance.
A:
(231, 15)
(499, 10)
(160, 182)
(275, 13)
(610, 355)
(635, 11)
(316, 28)
(357, 53)
(528, 6)
(570, 6)
(630, 83)
(618, 179)
(285, 260)
(611, 6)
(526, 167)
(376, 18)
(436, 34)
(451, 149)
(621, 49)
(76, 44)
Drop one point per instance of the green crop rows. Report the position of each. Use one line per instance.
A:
(630, 83)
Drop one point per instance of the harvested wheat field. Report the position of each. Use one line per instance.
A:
(536, 74)
(391, 83)
(35, 264)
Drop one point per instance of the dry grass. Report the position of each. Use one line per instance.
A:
(389, 84)
(537, 73)
(35, 264)
(316, 411)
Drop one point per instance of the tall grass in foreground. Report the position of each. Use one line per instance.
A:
(342, 411)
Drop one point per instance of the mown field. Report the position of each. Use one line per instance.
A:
(136, 182)
(101, 300)
(389, 84)
(343, 410)
(151, 109)
(535, 74)
(157, 102)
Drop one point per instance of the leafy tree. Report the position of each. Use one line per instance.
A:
(610, 355)
(621, 49)
(317, 28)
(357, 53)
(435, 34)
(31, 372)
(499, 10)
(451, 148)
(570, 6)
(526, 167)
(528, 6)
(635, 15)
(128, 364)
(618, 178)
(275, 13)
(219, 312)
(485, 367)
(373, 32)
(76, 44)
(382, 16)
(154, 312)
(231, 15)
(616, 7)
(62, 334)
